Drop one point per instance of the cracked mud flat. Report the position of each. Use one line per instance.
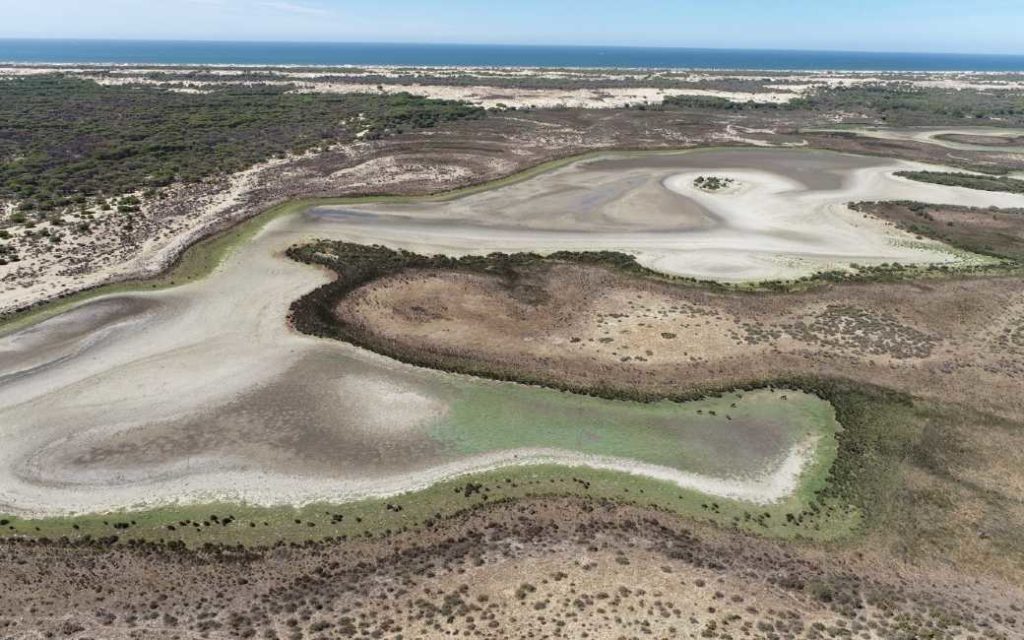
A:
(202, 392)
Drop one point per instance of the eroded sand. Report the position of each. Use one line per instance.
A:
(202, 392)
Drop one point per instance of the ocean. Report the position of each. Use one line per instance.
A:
(322, 53)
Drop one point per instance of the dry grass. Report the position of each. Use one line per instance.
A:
(537, 568)
(983, 140)
(583, 326)
(989, 231)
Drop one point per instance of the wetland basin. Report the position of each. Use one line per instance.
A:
(202, 392)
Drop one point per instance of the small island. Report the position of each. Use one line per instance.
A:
(712, 183)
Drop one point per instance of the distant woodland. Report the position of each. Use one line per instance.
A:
(894, 102)
(66, 142)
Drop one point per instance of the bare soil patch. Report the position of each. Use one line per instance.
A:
(586, 327)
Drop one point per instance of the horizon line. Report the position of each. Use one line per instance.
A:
(509, 45)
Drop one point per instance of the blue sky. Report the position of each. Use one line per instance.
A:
(981, 26)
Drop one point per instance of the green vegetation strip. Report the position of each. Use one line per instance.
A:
(997, 233)
(966, 180)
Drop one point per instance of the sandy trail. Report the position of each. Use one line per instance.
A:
(202, 392)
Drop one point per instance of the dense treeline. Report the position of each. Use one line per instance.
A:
(564, 80)
(905, 103)
(64, 140)
(897, 103)
(966, 180)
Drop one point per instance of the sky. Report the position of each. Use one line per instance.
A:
(957, 26)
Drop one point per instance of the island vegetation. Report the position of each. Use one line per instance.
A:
(967, 180)
(712, 183)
